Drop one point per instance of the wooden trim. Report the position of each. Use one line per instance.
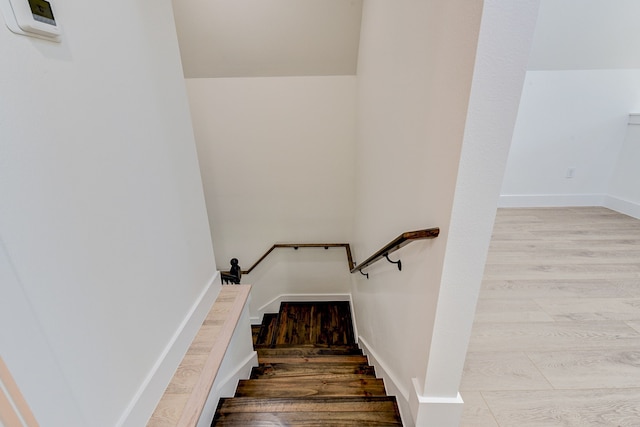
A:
(397, 243)
(8, 416)
(184, 409)
(198, 398)
(303, 245)
(6, 408)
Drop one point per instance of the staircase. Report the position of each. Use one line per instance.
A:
(310, 373)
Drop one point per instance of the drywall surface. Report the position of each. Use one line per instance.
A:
(581, 85)
(505, 39)
(268, 38)
(277, 157)
(626, 177)
(570, 123)
(412, 104)
(102, 216)
(586, 35)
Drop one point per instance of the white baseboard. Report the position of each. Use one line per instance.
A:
(148, 395)
(435, 411)
(623, 206)
(550, 200)
(566, 200)
(391, 382)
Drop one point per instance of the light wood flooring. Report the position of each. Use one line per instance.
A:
(556, 338)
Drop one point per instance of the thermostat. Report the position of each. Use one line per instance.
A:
(33, 17)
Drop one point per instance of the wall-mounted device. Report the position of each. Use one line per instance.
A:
(32, 18)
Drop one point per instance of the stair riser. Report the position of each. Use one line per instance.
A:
(304, 352)
(313, 359)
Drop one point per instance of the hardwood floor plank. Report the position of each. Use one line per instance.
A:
(591, 308)
(311, 404)
(311, 373)
(510, 310)
(553, 288)
(590, 369)
(635, 325)
(580, 266)
(309, 350)
(632, 287)
(318, 370)
(315, 323)
(567, 408)
(296, 387)
(310, 419)
(552, 336)
(313, 359)
(559, 271)
(476, 413)
(501, 371)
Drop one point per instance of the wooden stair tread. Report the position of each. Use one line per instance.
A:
(321, 376)
(304, 370)
(311, 373)
(309, 404)
(309, 351)
(297, 387)
(310, 419)
(327, 322)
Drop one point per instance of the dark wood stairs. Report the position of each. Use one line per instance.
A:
(310, 373)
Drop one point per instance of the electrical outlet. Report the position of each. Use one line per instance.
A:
(570, 173)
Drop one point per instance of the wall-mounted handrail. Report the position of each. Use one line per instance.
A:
(397, 243)
(304, 245)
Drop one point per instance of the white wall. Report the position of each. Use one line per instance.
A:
(583, 82)
(277, 158)
(624, 191)
(569, 119)
(503, 50)
(586, 35)
(102, 218)
(412, 103)
(260, 38)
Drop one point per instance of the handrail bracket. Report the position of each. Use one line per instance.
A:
(399, 262)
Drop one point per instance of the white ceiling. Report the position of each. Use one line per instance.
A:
(261, 38)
